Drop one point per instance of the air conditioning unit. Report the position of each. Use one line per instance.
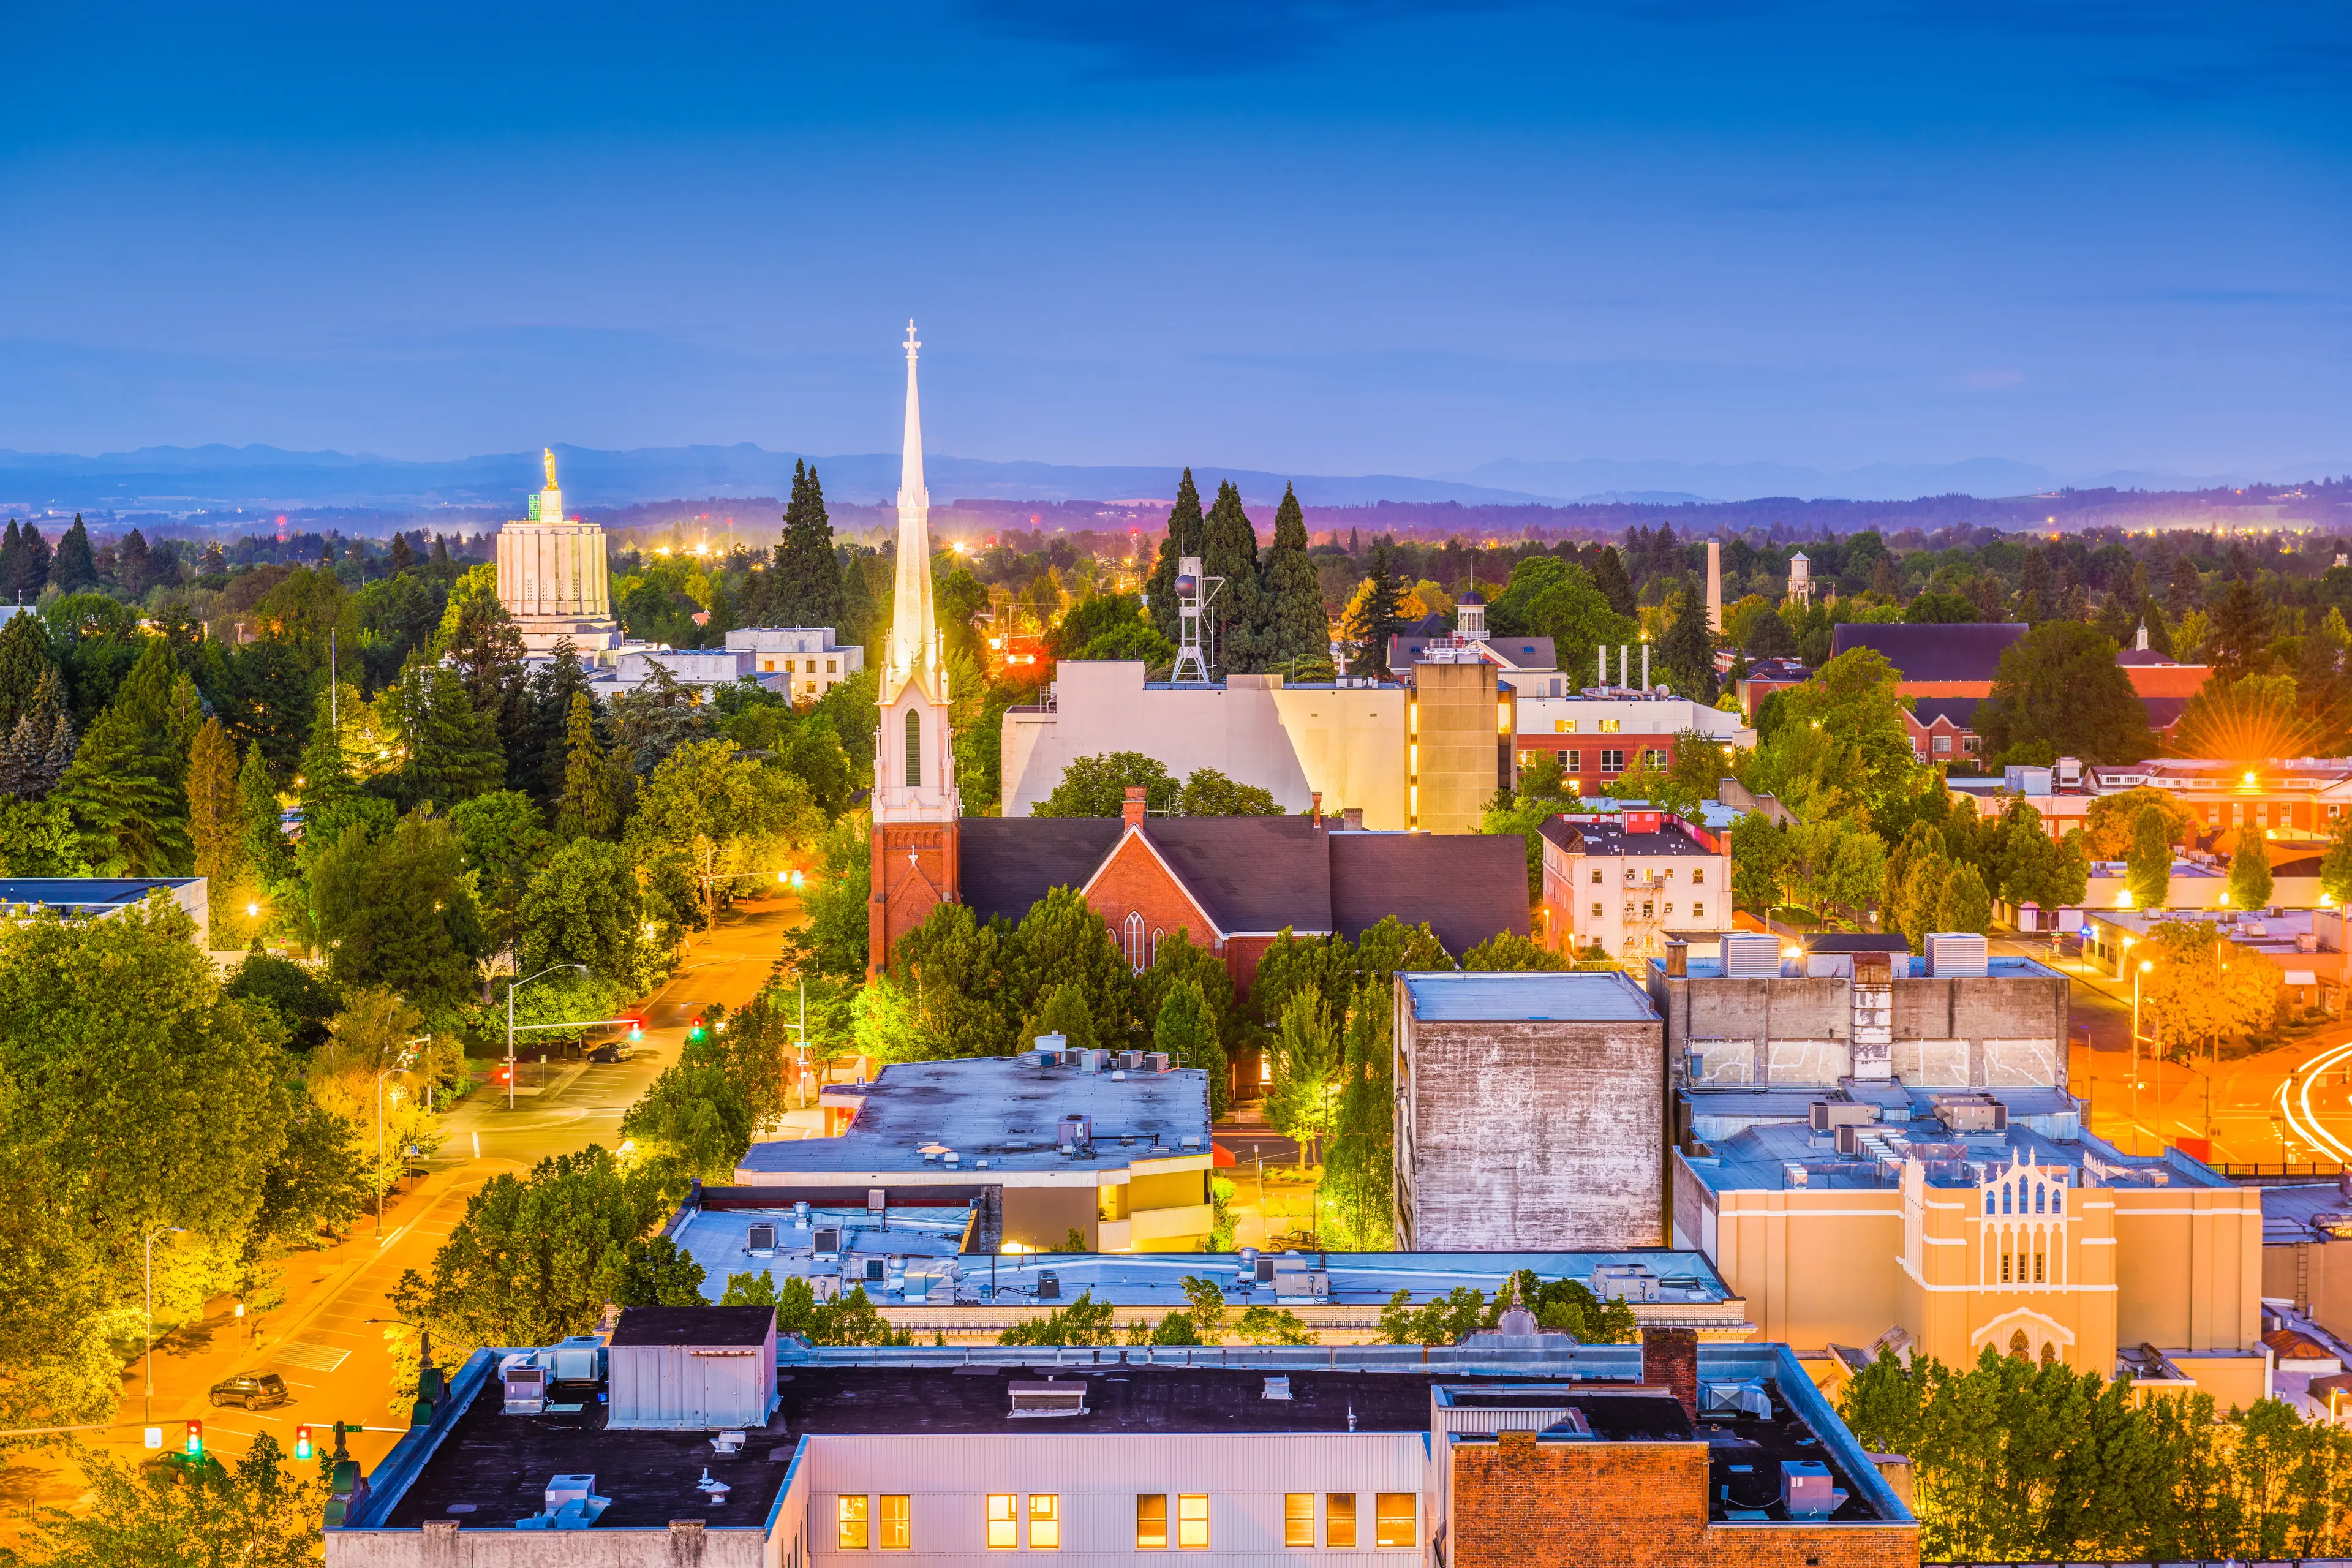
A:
(1750, 956)
(1827, 1114)
(759, 1241)
(1049, 1286)
(874, 1270)
(827, 1241)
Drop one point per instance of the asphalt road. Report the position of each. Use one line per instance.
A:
(326, 1341)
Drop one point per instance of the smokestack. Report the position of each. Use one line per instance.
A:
(1319, 807)
(1714, 586)
(1670, 1361)
(1645, 664)
(1623, 648)
(1601, 671)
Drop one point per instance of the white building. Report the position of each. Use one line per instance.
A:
(1343, 740)
(808, 656)
(553, 580)
(1625, 882)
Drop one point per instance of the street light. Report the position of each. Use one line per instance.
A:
(2146, 966)
(510, 993)
(406, 1046)
(147, 1409)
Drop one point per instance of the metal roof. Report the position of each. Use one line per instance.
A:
(1590, 996)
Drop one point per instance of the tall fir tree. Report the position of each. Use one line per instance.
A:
(450, 752)
(216, 828)
(1187, 534)
(126, 786)
(1229, 550)
(1378, 612)
(39, 562)
(401, 558)
(25, 661)
(74, 569)
(860, 601)
(134, 565)
(12, 564)
(260, 821)
(589, 804)
(63, 743)
(1616, 586)
(488, 654)
(1297, 627)
(553, 685)
(807, 590)
(1687, 657)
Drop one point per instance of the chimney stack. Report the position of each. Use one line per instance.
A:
(1132, 811)
(1318, 798)
(1352, 819)
(1670, 1361)
(1714, 586)
(1677, 958)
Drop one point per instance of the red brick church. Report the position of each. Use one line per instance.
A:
(1231, 883)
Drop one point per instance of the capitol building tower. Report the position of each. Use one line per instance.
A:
(551, 578)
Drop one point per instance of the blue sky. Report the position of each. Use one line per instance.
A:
(1335, 237)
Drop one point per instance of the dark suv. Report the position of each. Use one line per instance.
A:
(254, 1390)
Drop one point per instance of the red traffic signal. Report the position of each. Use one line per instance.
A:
(636, 1030)
(694, 1031)
(302, 1442)
(194, 1445)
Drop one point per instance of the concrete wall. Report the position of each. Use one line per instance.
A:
(444, 1544)
(1548, 1136)
(1950, 1032)
(1347, 741)
(2316, 1276)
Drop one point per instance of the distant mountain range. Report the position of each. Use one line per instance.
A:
(180, 479)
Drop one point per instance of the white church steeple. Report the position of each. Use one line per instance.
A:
(913, 651)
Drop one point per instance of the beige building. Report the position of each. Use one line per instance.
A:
(552, 578)
(1458, 730)
(807, 659)
(1625, 881)
(1343, 739)
(1943, 1223)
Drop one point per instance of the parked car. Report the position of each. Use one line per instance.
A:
(254, 1390)
(611, 1051)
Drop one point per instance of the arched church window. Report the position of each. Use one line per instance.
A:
(1157, 934)
(2020, 1346)
(1134, 934)
(914, 749)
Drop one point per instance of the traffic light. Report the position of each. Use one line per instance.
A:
(694, 1030)
(636, 1030)
(194, 1445)
(302, 1442)
(504, 1074)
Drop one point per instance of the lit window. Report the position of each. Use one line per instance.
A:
(1397, 1523)
(1135, 954)
(1670, 908)
(1340, 1519)
(1264, 1069)
(1151, 1521)
(1610, 726)
(1192, 1521)
(1044, 1521)
(1298, 1518)
(1698, 876)
(896, 1518)
(1564, 726)
(850, 1511)
(1003, 1534)
(769, 666)
(1596, 876)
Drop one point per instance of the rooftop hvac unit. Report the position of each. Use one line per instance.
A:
(1973, 1115)
(1278, 1388)
(1751, 955)
(1806, 1489)
(1035, 1400)
(1049, 1286)
(1956, 952)
(827, 1241)
(1157, 1061)
(1749, 1397)
(1829, 1113)
(759, 1241)
(874, 1270)
(1264, 1269)
(1128, 1061)
(1625, 1282)
(1849, 1139)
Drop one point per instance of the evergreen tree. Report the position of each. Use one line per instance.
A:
(262, 834)
(25, 661)
(401, 557)
(451, 752)
(1608, 575)
(1187, 535)
(1378, 612)
(1186, 1028)
(74, 569)
(36, 565)
(1687, 654)
(2185, 591)
(807, 590)
(216, 828)
(552, 687)
(1229, 551)
(858, 603)
(64, 744)
(1296, 627)
(134, 566)
(125, 785)
(12, 564)
(488, 651)
(441, 550)
(589, 806)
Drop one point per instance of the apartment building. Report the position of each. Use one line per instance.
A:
(1622, 882)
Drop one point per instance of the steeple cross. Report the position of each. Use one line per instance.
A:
(911, 343)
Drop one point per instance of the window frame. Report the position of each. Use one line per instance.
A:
(1000, 1522)
(1294, 1525)
(889, 1522)
(1132, 940)
(852, 1512)
(1339, 1521)
(1382, 1519)
(1151, 1508)
(1186, 1519)
(1051, 1519)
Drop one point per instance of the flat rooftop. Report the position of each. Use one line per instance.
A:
(84, 892)
(921, 1242)
(1788, 1155)
(1904, 966)
(998, 1114)
(2307, 1212)
(488, 1469)
(1606, 995)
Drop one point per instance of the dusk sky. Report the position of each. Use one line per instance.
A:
(1310, 236)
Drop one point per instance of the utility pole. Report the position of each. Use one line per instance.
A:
(147, 1408)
